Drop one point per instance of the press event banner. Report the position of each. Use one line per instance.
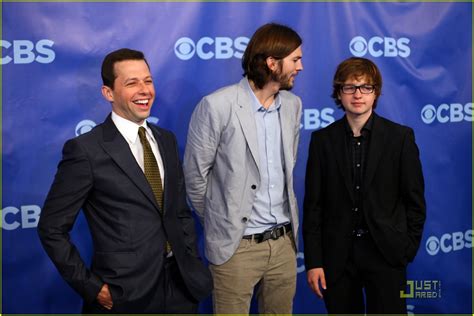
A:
(51, 58)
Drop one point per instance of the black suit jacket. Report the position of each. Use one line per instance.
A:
(99, 174)
(393, 196)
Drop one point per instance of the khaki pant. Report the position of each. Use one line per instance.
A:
(270, 264)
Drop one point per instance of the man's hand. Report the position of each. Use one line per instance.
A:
(316, 276)
(104, 298)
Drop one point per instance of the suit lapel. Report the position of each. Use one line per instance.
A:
(247, 120)
(377, 141)
(118, 149)
(338, 138)
(287, 136)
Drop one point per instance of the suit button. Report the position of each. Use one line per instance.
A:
(244, 219)
(253, 186)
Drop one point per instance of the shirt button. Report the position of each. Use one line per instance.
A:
(358, 143)
(358, 165)
(356, 209)
(357, 187)
(253, 186)
(244, 219)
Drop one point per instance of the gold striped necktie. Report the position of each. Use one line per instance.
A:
(152, 173)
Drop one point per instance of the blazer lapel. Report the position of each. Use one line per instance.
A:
(338, 138)
(377, 141)
(287, 137)
(247, 120)
(118, 149)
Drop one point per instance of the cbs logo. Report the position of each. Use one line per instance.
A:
(207, 48)
(449, 242)
(444, 113)
(380, 46)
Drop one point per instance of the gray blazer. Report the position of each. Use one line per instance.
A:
(221, 164)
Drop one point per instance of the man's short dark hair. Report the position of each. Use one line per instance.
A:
(270, 40)
(108, 73)
(355, 68)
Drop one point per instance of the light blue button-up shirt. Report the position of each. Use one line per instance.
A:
(271, 200)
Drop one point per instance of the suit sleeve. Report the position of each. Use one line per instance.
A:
(413, 193)
(313, 207)
(201, 147)
(184, 213)
(70, 188)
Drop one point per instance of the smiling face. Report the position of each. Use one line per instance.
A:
(357, 104)
(133, 91)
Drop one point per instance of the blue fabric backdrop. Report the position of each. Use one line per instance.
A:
(51, 56)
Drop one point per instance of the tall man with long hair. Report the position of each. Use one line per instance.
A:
(239, 160)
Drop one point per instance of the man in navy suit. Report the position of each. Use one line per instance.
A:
(364, 206)
(145, 257)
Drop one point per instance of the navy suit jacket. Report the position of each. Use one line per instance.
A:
(99, 174)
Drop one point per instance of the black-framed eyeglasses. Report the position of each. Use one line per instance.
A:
(364, 88)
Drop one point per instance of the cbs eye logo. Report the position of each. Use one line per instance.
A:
(358, 46)
(184, 48)
(432, 245)
(84, 126)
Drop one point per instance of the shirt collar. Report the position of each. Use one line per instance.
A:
(129, 129)
(257, 106)
(367, 128)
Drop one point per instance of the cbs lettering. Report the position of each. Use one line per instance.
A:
(27, 216)
(27, 52)
(207, 48)
(317, 118)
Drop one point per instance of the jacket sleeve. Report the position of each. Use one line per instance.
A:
(70, 188)
(201, 147)
(413, 188)
(313, 206)
(184, 213)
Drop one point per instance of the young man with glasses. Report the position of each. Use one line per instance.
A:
(364, 206)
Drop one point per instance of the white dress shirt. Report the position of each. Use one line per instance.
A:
(129, 131)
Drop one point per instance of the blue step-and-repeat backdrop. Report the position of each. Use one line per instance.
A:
(51, 57)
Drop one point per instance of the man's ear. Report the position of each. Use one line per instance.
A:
(272, 63)
(107, 93)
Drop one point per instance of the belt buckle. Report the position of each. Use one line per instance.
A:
(273, 234)
(266, 235)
